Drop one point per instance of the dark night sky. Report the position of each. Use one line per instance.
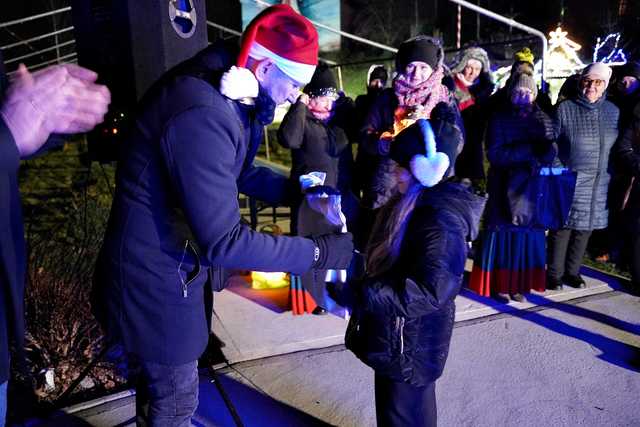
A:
(585, 20)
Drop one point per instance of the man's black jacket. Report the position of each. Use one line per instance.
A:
(175, 218)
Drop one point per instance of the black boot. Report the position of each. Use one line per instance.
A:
(517, 297)
(554, 284)
(500, 297)
(319, 311)
(574, 281)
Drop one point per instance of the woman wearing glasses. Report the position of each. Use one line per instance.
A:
(315, 129)
(586, 128)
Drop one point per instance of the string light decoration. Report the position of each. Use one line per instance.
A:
(562, 61)
(562, 55)
(616, 55)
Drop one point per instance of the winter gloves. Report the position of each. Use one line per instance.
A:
(332, 251)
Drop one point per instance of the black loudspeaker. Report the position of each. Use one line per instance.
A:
(130, 44)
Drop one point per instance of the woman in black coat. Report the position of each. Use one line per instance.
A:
(315, 129)
(316, 143)
(417, 92)
(473, 84)
(627, 152)
(404, 306)
(511, 259)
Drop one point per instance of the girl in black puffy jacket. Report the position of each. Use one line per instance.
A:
(403, 306)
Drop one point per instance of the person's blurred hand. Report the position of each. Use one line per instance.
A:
(304, 99)
(57, 99)
(384, 143)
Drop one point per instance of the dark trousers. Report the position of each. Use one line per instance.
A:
(566, 248)
(166, 396)
(635, 260)
(400, 404)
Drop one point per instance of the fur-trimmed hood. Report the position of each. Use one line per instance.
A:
(476, 53)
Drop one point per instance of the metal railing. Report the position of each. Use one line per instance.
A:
(51, 49)
(511, 23)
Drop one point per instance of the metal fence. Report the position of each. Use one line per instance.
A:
(49, 42)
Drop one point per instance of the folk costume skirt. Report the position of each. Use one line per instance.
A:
(509, 261)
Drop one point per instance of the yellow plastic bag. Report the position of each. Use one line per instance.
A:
(262, 280)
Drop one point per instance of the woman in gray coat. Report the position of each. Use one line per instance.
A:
(586, 128)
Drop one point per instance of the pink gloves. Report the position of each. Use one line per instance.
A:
(57, 99)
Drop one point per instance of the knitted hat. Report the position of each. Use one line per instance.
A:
(520, 67)
(286, 37)
(415, 149)
(378, 72)
(526, 81)
(630, 69)
(597, 70)
(420, 48)
(323, 82)
(524, 55)
(476, 53)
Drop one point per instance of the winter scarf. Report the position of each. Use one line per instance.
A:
(322, 114)
(462, 93)
(428, 93)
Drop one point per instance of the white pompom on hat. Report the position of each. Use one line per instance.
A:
(282, 35)
(238, 83)
(415, 149)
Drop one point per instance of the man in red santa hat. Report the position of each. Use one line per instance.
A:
(175, 221)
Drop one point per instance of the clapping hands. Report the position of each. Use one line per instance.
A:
(57, 99)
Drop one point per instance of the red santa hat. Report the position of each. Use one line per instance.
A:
(286, 37)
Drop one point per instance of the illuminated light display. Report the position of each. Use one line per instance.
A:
(606, 50)
(562, 62)
(562, 55)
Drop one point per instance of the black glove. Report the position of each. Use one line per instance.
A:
(333, 251)
(444, 112)
(344, 294)
(544, 151)
(357, 268)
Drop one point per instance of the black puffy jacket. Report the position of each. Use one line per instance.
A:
(403, 320)
(627, 152)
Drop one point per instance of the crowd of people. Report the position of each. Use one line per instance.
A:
(410, 198)
(412, 223)
(515, 128)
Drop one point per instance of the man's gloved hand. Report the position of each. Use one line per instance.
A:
(333, 251)
(57, 99)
